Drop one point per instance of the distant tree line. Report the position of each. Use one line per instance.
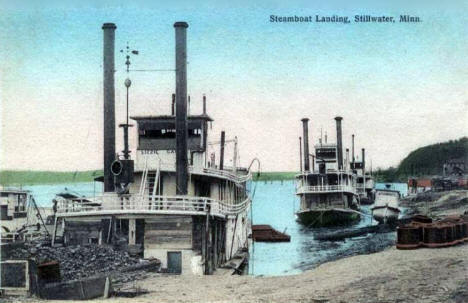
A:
(425, 161)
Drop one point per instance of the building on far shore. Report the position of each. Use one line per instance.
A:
(455, 167)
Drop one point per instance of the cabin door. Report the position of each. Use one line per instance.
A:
(174, 262)
(202, 189)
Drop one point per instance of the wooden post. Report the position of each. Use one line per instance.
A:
(131, 232)
(221, 153)
(55, 231)
(207, 239)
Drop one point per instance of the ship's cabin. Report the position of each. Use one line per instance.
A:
(156, 153)
(330, 178)
(325, 175)
(157, 140)
(13, 204)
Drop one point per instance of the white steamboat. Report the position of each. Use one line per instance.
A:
(174, 202)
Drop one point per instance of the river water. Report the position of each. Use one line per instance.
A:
(274, 203)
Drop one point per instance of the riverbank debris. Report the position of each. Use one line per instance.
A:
(340, 235)
(266, 233)
(448, 231)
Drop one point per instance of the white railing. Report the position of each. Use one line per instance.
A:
(146, 204)
(325, 189)
(220, 173)
(164, 166)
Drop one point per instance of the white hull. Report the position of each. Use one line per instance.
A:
(385, 214)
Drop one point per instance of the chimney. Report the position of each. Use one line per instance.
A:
(181, 107)
(339, 143)
(109, 104)
(352, 149)
(347, 158)
(300, 154)
(305, 136)
(221, 154)
(363, 159)
(173, 105)
(204, 105)
(188, 111)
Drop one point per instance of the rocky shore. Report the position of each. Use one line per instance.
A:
(423, 275)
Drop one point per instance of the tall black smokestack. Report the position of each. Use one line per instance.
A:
(173, 105)
(300, 154)
(221, 153)
(188, 111)
(347, 156)
(109, 104)
(204, 104)
(305, 136)
(352, 149)
(363, 159)
(181, 107)
(339, 142)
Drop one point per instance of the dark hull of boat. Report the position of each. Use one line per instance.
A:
(325, 218)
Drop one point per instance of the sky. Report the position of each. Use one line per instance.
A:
(397, 86)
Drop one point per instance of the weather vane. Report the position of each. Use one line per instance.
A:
(127, 56)
(127, 83)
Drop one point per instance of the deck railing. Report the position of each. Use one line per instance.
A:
(325, 189)
(229, 174)
(151, 205)
(220, 173)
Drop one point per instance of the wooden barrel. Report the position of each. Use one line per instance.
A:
(421, 219)
(435, 235)
(409, 236)
(459, 232)
(450, 233)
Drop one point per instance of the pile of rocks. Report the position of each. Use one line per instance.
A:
(80, 261)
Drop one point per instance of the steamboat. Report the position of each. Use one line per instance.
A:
(173, 201)
(327, 188)
(364, 180)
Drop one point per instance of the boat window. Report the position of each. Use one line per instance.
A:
(326, 153)
(196, 132)
(158, 133)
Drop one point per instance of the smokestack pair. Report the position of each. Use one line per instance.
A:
(339, 142)
(180, 104)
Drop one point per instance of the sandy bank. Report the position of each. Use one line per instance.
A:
(423, 275)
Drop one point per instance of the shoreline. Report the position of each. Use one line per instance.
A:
(423, 275)
(392, 275)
